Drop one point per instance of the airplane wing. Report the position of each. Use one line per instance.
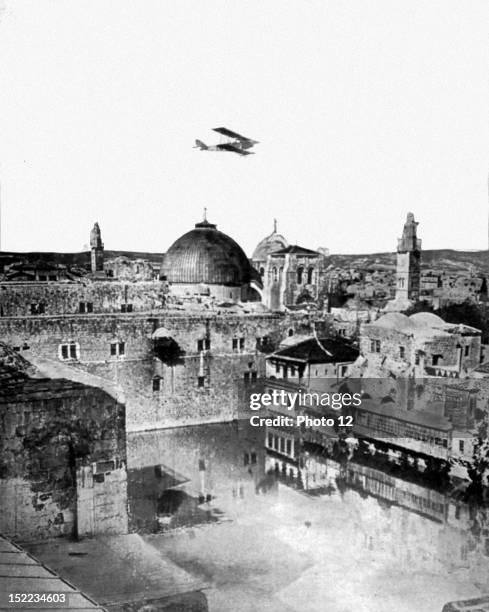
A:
(230, 134)
(230, 147)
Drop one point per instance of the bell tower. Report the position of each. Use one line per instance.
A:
(408, 272)
(97, 247)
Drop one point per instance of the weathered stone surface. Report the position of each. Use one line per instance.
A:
(235, 346)
(50, 431)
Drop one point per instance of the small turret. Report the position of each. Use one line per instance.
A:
(97, 247)
(408, 262)
(409, 241)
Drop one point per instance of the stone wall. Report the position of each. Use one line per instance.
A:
(52, 431)
(17, 299)
(198, 386)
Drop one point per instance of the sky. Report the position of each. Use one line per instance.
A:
(364, 110)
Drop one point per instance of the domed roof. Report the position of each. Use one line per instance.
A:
(397, 321)
(270, 244)
(427, 319)
(206, 255)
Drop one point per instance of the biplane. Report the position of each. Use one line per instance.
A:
(235, 143)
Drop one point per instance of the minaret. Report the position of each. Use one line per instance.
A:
(97, 246)
(408, 262)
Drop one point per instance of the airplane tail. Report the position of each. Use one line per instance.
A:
(200, 145)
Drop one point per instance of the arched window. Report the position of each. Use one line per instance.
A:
(300, 272)
(280, 272)
(275, 274)
(310, 276)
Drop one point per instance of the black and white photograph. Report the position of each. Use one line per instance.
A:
(244, 305)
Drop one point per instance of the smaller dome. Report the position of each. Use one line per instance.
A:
(270, 244)
(427, 319)
(397, 321)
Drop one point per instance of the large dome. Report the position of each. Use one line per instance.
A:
(206, 256)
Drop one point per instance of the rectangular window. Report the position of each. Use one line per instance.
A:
(375, 346)
(33, 309)
(203, 344)
(461, 446)
(416, 359)
(117, 349)
(270, 440)
(253, 376)
(289, 447)
(200, 381)
(467, 351)
(68, 351)
(246, 459)
(123, 307)
(53, 278)
(129, 308)
(89, 307)
(241, 343)
(156, 383)
(246, 377)
(253, 458)
(235, 344)
(81, 307)
(43, 277)
(402, 352)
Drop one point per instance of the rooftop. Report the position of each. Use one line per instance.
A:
(326, 350)
(22, 573)
(295, 249)
(416, 417)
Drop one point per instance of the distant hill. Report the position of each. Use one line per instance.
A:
(445, 259)
(73, 259)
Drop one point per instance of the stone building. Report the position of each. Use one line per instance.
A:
(123, 268)
(291, 276)
(421, 345)
(313, 358)
(62, 455)
(174, 368)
